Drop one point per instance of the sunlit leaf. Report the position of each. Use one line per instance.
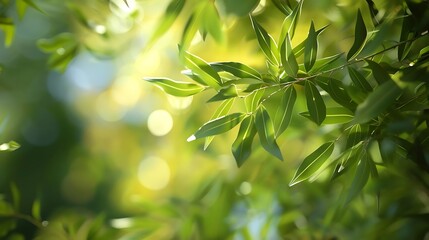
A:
(7, 26)
(252, 100)
(380, 74)
(176, 88)
(284, 110)
(359, 80)
(188, 33)
(211, 21)
(222, 110)
(326, 63)
(229, 91)
(21, 7)
(299, 49)
(203, 70)
(242, 146)
(282, 6)
(336, 90)
(35, 209)
(9, 146)
(377, 102)
(266, 43)
(334, 115)
(170, 15)
(361, 176)
(194, 77)
(288, 59)
(312, 163)
(217, 126)
(290, 22)
(266, 133)
(315, 104)
(237, 69)
(310, 50)
(63, 49)
(238, 8)
(360, 37)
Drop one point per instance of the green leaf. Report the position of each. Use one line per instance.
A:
(282, 7)
(336, 90)
(310, 50)
(222, 110)
(188, 33)
(377, 102)
(252, 100)
(266, 42)
(347, 159)
(379, 73)
(315, 104)
(359, 80)
(63, 49)
(237, 69)
(33, 5)
(194, 77)
(203, 70)
(238, 8)
(170, 15)
(217, 126)
(312, 163)
(176, 88)
(284, 110)
(211, 21)
(227, 92)
(288, 59)
(360, 37)
(406, 34)
(35, 209)
(325, 63)
(21, 7)
(361, 176)
(7, 26)
(16, 196)
(290, 22)
(266, 133)
(242, 146)
(334, 115)
(299, 49)
(9, 146)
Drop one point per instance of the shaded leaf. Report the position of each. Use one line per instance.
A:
(377, 102)
(347, 159)
(238, 8)
(35, 209)
(361, 176)
(252, 100)
(406, 34)
(211, 21)
(334, 115)
(203, 70)
(242, 146)
(299, 49)
(325, 63)
(359, 80)
(16, 196)
(176, 88)
(290, 22)
(282, 6)
(312, 163)
(229, 91)
(7, 26)
(222, 110)
(170, 15)
(315, 104)
(336, 90)
(288, 59)
(310, 50)
(284, 110)
(266, 42)
(237, 69)
(379, 73)
(217, 126)
(266, 133)
(356, 134)
(360, 37)
(63, 49)
(33, 5)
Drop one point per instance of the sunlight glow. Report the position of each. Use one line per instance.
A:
(179, 102)
(108, 109)
(160, 122)
(245, 188)
(154, 173)
(126, 91)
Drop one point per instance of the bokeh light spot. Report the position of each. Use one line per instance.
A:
(179, 102)
(245, 188)
(160, 122)
(154, 173)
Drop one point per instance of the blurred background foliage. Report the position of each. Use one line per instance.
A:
(104, 155)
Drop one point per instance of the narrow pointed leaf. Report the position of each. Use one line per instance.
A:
(194, 77)
(7, 26)
(310, 50)
(312, 163)
(222, 110)
(380, 74)
(203, 70)
(361, 177)
(237, 69)
(406, 34)
(377, 102)
(188, 33)
(290, 22)
(266, 43)
(266, 133)
(36, 209)
(242, 146)
(227, 92)
(336, 90)
(282, 6)
(176, 88)
(288, 59)
(284, 110)
(334, 115)
(356, 134)
(9, 146)
(211, 21)
(217, 126)
(359, 80)
(315, 104)
(326, 63)
(360, 37)
(299, 49)
(346, 160)
(170, 15)
(252, 100)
